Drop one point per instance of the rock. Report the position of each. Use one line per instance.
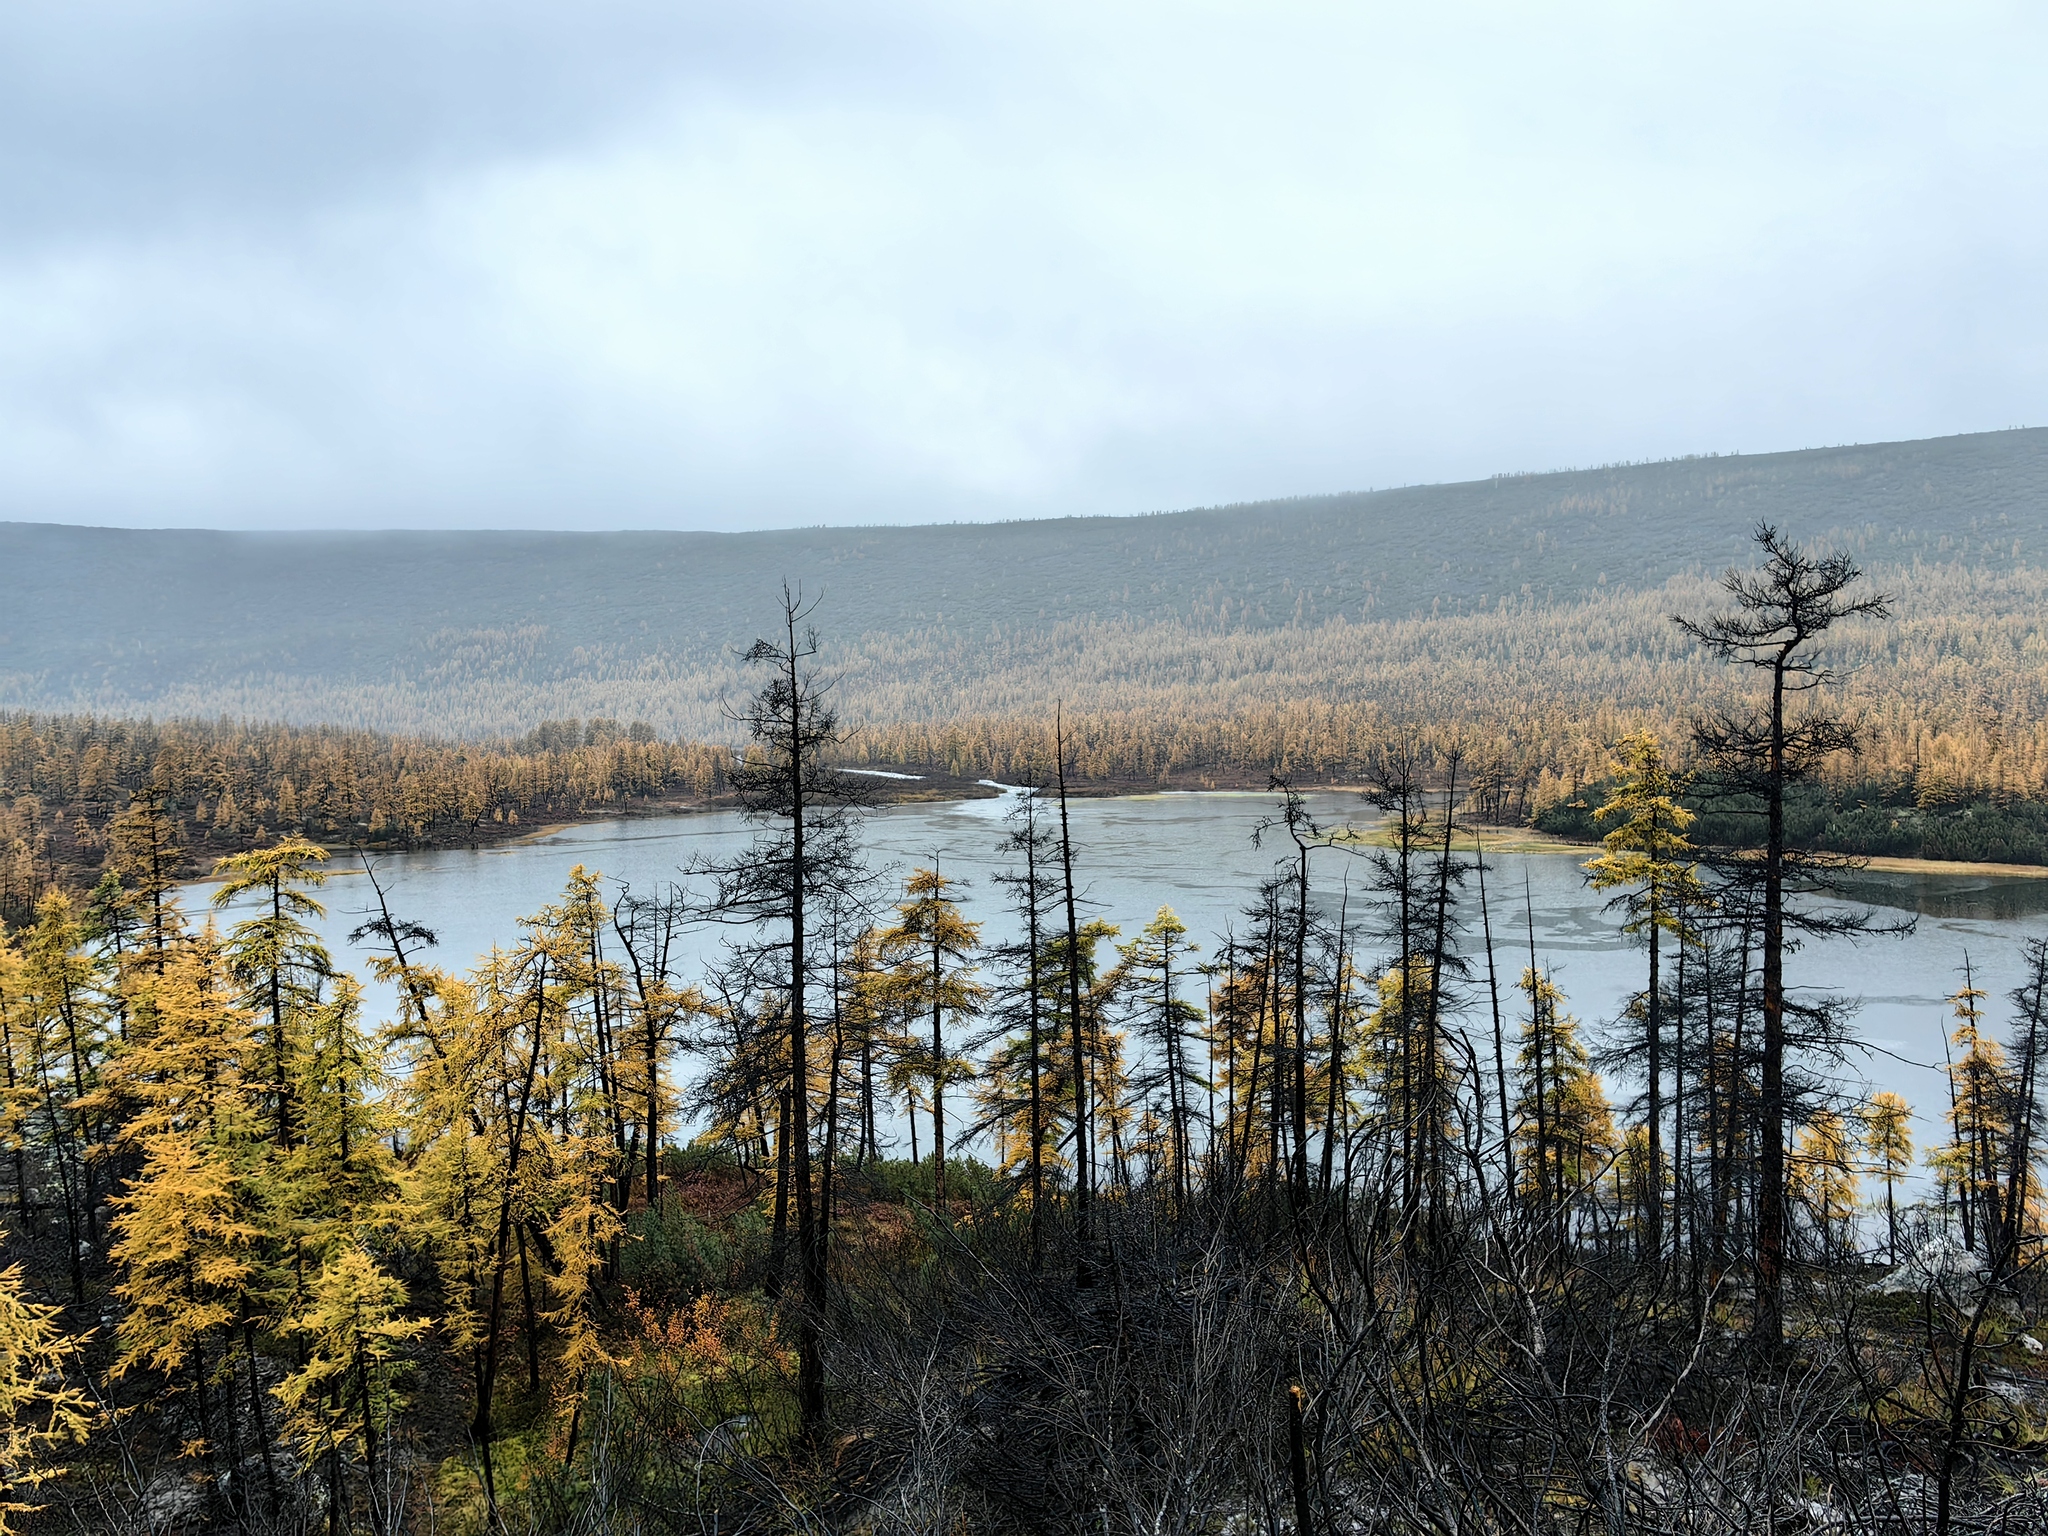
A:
(172, 1499)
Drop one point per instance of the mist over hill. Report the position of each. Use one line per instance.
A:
(487, 633)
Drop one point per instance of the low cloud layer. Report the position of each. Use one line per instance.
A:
(737, 266)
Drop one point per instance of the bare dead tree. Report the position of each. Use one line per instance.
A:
(1780, 616)
(806, 853)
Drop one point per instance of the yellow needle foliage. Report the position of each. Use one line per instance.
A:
(39, 1409)
(354, 1333)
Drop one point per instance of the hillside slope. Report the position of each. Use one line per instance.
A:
(486, 633)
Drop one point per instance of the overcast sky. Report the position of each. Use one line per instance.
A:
(758, 264)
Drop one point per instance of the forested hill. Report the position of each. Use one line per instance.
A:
(485, 633)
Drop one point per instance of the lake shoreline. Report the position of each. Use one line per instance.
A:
(1490, 838)
(927, 785)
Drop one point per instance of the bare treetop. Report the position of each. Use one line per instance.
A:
(1794, 598)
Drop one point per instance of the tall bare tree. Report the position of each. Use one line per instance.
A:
(1033, 893)
(1781, 613)
(806, 854)
(1084, 1161)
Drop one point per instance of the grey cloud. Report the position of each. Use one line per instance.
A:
(695, 265)
(121, 116)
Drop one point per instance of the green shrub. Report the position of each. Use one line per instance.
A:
(671, 1256)
(1873, 820)
(899, 1181)
(698, 1157)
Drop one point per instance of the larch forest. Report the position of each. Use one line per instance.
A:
(877, 1225)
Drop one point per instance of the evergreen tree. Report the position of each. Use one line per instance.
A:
(933, 946)
(276, 955)
(1980, 1103)
(1399, 871)
(111, 922)
(1564, 1126)
(149, 856)
(1151, 969)
(189, 1232)
(64, 1028)
(1026, 1066)
(341, 1176)
(1646, 852)
(868, 1005)
(1079, 1073)
(1081, 980)
(355, 1343)
(1306, 836)
(40, 1410)
(17, 1079)
(1888, 1137)
(1824, 1179)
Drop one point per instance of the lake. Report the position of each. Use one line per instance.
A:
(1194, 852)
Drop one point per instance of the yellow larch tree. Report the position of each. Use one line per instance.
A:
(1824, 1178)
(39, 1408)
(275, 953)
(1564, 1127)
(931, 948)
(1645, 855)
(191, 1232)
(356, 1347)
(1888, 1138)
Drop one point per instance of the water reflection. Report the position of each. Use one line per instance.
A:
(1998, 897)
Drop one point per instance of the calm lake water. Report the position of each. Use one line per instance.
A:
(1194, 852)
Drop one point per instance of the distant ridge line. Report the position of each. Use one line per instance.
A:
(1286, 500)
(486, 632)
